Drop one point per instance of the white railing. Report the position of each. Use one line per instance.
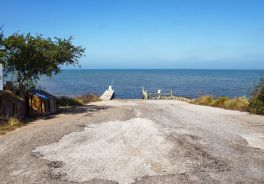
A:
(157, 95)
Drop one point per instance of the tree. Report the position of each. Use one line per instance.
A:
(33, 56)
(1, 43)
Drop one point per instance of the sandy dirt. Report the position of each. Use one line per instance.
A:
(139, 142)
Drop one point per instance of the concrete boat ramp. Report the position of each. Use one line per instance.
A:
(108, 94)
(136, 142)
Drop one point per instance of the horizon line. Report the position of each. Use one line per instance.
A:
(161, 69)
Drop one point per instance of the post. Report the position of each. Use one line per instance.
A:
(144, 94)
(1, 77)
(110, 87)
(159, 93)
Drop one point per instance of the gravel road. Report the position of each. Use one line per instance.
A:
(136, 142)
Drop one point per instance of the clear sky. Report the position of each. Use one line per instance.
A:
(203, 34)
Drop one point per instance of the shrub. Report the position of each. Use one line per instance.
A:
(257, 100)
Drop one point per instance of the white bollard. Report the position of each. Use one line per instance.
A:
(110, 88)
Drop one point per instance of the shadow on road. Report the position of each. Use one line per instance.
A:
(89, 109)
(82, 109)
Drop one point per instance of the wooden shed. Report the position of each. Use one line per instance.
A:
(11, 105)
(41, 103)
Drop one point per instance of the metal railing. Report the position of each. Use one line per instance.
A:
(157, 95)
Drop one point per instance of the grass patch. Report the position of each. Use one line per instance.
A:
(9, 125)
(240, 103)
(77, 101)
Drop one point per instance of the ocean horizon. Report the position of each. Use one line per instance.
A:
(128, 82)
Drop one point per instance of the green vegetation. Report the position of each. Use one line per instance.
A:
(257, 101)
(77, 101)
(255, 105)
(10, 125)
(240, 103)
(33, 56)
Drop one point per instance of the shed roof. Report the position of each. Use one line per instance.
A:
(43, 94)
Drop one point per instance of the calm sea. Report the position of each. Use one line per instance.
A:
(128, 83)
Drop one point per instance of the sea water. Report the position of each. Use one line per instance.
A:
(128, 83)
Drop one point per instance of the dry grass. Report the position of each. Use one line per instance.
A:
(77, 101)
(254, 105)
(240, 103)
(9, 125)
(88, 98)
(68, 101)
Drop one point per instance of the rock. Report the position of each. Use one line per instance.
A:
(180, 98)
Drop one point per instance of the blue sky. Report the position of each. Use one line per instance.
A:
(197, 34)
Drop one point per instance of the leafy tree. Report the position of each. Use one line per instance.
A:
(257, 101)
(1, 43)
(33, 56)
